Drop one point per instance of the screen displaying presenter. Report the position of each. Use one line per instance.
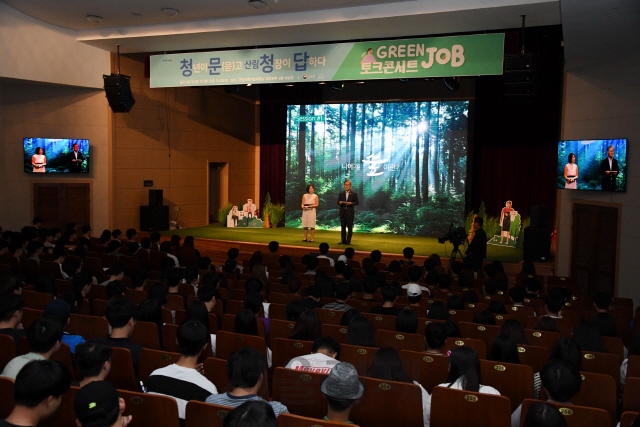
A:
(609, 171)
(75, 159)
(309, 205)
(347, 200)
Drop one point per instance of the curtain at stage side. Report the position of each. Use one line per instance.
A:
(273, 138)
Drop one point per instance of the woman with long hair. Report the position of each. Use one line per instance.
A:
(407, 322)
(565, 349)
(360, 332)
(258, 270)
(387, 366)
(309, 204)
(39, 161)
(514, 329)
(504, 349)
(464, 372)
(438, 311)
(571, 173)
(307, 327)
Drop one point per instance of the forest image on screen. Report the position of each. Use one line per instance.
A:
(406, 161)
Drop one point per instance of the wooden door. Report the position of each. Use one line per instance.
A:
(59, 204)
(594, 247)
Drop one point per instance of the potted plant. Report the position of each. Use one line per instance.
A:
(223, 212)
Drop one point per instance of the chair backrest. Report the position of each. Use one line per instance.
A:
(485, 333)
(511, 380)
(533, 356)
(155, 260)
(633, 366)
(282, 298)
(329, 317)
(630, 401)
(299, 392)
(200, 414)
(626, 419)
(280, 328)
(597, 391)
(337, 332)
(290, 420)
(150, 409)
(29, 316)
(428, 369)
(575, 416)
(8, 346)
(542, 338)
(399, 341)
(478, 345)
(146, 334)
(565, 324)
(359, 356)
(136, 295)
(150, 360)
(36, 300)
(50, 267)
(175, 302)
(602, 363)
(285, 350)
(65, 415)
(131, 263)
(228, 342)
(380, 321)
(187, 256)
(277, 311)
(186, 289)
(363, 306)
(98, 292)
(615, 346)
(169, 337)
(380, 395)
(122, 375)
(458, 316)
(228, 321)
(6, 391)
(451, 407)
(88, 326)
(99, 307)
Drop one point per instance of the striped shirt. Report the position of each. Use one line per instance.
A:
(227, 399)
(183, 384)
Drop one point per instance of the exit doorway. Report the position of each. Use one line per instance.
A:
(216, 176)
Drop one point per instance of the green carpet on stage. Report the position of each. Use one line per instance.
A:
(390, 243)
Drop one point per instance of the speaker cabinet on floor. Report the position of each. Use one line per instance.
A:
(537, 244)
(154, 218)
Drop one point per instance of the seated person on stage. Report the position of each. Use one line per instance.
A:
(35, 399)
(343, 292)
(59, 310)
(414, 274)
(324, 250)
(44, 337)
(561, 380)
(246, 372)
(11, 306)
(115, 272)
(99, 405)
(122, 315)
(182, 380)
(408, 255)
(477, 249)
(321, 360)
(94, 360)
(343, 389)
(389, 296)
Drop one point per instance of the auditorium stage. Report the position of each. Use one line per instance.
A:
(215, 237)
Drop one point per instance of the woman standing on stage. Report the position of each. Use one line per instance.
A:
(571, 173)
(309, 204)
(505, 221)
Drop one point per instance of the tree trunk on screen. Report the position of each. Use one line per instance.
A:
(425, 157)
(436, 155)
(312, 153)
(289, 141)
(418, 199)
(302, 138)
(354, 117)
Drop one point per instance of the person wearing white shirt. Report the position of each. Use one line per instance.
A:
(322, 360)
(324, 250)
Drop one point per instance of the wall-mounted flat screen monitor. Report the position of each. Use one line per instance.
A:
(56, 155)
(594, 164)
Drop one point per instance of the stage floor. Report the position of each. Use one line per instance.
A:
(366, 242)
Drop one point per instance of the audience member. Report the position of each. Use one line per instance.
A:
(181, 380)
(322, 359)
(546, 323)
(634, 350)
(588, 337)
(343, 292)
(435, 338)
(414, 274)
(94, 360)
(541, 414)
(360, 332)
(343, 389)
(408, 255)
(390, 295)
(122, 316)
(115, 288)
(99, 405)
(484, 317)
(438, 311)
(307, 327)
(246, 373)
(44, 338)
(504, 349)
(324, 251)
(252, 413)
(37, 393)
(11, 306)
(139, 279)
(60, 311)
(294, 309)
(407, 322)
(198, 311)
(115, 272)
(414, 294)
(514, 329)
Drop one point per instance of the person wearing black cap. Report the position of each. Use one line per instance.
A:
(115, 272)
(59, 310)
(98, 404)
(342, 389)
(38, 393)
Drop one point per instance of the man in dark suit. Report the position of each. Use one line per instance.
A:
(347, 199)
(609, 171)
(477, 250)
(75, 159)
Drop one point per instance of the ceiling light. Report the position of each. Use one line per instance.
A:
(94, 19)
(257, 4)
(289, 85)
(359, 83)
(322, 83)
(170, 12)
(248, 84)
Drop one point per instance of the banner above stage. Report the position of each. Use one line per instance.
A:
(472, 55)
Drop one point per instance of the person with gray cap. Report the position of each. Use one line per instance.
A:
(59, 310)
(342, 388)
(98, 404)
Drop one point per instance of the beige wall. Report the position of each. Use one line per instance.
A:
(42, 110)
(170, 136)
(601, 101)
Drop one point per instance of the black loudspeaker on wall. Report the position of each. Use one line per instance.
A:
(153, 218)
(118, 91)
(155, 197)
(539, 216)
(537, 244)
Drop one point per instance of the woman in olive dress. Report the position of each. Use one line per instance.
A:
(309, 204)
